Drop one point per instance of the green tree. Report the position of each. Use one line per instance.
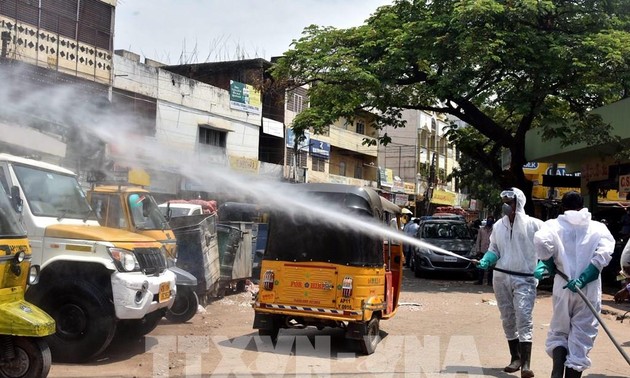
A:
(501, 66)
(482, 183)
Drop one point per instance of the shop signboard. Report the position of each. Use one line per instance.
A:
(624, 184)
(320, 149)
(442, 197)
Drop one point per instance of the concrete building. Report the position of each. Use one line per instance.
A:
(418, 161)
(55, 56)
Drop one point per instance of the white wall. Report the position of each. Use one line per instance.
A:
(183, 104)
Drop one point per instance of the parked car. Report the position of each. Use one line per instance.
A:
(180, 209)
(450, 234)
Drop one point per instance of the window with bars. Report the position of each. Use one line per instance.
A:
(342, 168)
(212, 137)
(318, 164)
(301, 161)
(298, 103)
(358, 170)
(92, 26)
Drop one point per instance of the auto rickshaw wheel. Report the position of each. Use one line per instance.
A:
(32, 359)
(185, 305)
(84, 317)
(371, 338)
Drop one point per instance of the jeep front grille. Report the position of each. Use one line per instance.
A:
(151, 260)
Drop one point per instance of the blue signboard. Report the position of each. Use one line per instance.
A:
(290, 141)
(320, 149)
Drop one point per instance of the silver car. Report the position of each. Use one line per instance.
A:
(452, 235)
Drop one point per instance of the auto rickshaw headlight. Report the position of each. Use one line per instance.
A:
(124, 259)
(15, 264)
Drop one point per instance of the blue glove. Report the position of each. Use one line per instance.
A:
(488, 260)
(544, 269)
(590, 274)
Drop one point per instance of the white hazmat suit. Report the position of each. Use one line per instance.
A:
(574, 241)
(513, 244)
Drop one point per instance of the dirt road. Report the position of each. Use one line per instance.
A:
(444, 328)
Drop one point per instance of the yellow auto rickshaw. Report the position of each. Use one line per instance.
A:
(23, 326)
(317, 272)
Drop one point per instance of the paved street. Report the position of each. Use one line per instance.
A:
(444, 328)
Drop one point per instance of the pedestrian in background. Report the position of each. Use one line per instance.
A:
(624, 293)
(405, 220)
(481, 246)
(512, 250)
(579, 247)
(411, 228)
(625, 225)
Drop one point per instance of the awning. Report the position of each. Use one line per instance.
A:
(561, 181)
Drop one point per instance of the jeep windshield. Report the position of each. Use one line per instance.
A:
(145, 213)
(52, 194)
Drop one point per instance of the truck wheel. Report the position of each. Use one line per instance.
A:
(137, 328)
(32, 359)
(240, 286)
(371, 338)
(184, 307)
(273, 333)
(85, 320)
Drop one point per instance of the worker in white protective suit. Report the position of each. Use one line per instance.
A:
(512, 250)
(624, 293)
(580, 248)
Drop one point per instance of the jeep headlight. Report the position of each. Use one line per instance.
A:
(124, 259)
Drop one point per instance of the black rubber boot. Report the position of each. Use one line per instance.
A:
(570, 373)
(559, 356)
(526, 354)
(515, 362)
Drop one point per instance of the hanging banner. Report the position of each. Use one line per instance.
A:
(244, 97)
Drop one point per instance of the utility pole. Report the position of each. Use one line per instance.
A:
(430, 184)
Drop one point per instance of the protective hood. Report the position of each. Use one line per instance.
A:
(575, 217)
(520, 200)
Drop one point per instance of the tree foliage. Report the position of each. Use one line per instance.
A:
(501, 66)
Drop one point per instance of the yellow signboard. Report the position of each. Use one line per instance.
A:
(442, 197)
